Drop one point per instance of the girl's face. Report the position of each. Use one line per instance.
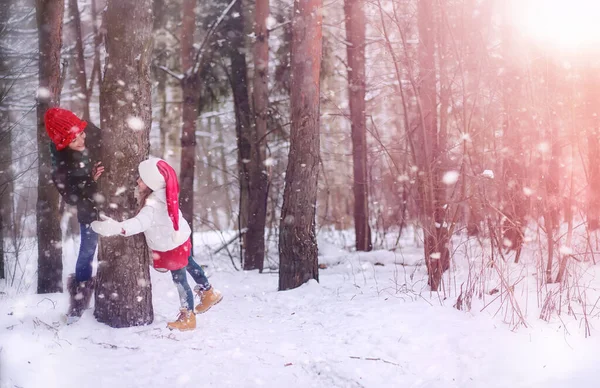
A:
(78, 144)
(141, 185)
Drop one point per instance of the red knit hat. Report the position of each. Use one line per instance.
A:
(63, 126)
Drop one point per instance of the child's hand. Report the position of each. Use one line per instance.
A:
(107, 228)
(97, 170)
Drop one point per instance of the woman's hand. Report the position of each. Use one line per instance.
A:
(97, 171)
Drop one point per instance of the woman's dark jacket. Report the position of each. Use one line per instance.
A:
(72, 176)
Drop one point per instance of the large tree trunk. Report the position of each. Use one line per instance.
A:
(191, 101)
(123, 293)
(355, 49)
(297, 239)
(49, 20)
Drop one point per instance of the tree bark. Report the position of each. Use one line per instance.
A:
(123, 292)
(49, 15)
(191, 101)
(355, 49)
(297, 239)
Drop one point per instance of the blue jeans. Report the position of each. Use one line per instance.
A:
(87, 248)
(186, 297)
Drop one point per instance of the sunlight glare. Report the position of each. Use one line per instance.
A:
(563, 24)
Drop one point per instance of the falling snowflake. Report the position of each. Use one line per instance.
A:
(565, 250)
(135, 123)
(271, 22)
(450, 177)
(543, 147)
(43, 93)
(488, 174)
(269, 162)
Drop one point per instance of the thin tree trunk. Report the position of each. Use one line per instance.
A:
(49, 20)
(93, 140)
(6, 176)
(552, 178)
(592, 126)
(355, 48)
(159, 75)
(226, 199)
(258, 180)
(123, 292)
(513, 174)
(297, 239)
(80, 74)
(97, 42)
(191, 101)
(210, 187)
(432, 190)
(239, 86)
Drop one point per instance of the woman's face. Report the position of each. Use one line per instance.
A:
(78, 144)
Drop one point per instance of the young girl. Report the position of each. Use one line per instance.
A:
(168, 236)
(75, 178)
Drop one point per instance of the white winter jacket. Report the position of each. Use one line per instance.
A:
(153, 220)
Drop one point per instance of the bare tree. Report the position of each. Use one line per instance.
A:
(514, 175)
(49, 20)
(297, 239)
(432, 191)
(6, 187)
(355, 49)
(123, 293)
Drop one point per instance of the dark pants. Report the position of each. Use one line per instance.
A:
(186, 297)
(87, 248)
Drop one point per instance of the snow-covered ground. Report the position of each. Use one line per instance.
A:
(369, 322)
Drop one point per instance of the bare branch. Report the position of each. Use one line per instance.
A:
(170, 72)
(209, 34)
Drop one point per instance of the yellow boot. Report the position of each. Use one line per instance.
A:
(208, 299)
(185, 321)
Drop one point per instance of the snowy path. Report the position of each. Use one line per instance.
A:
(339, 333)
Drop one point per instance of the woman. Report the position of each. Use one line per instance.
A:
(75, 178)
